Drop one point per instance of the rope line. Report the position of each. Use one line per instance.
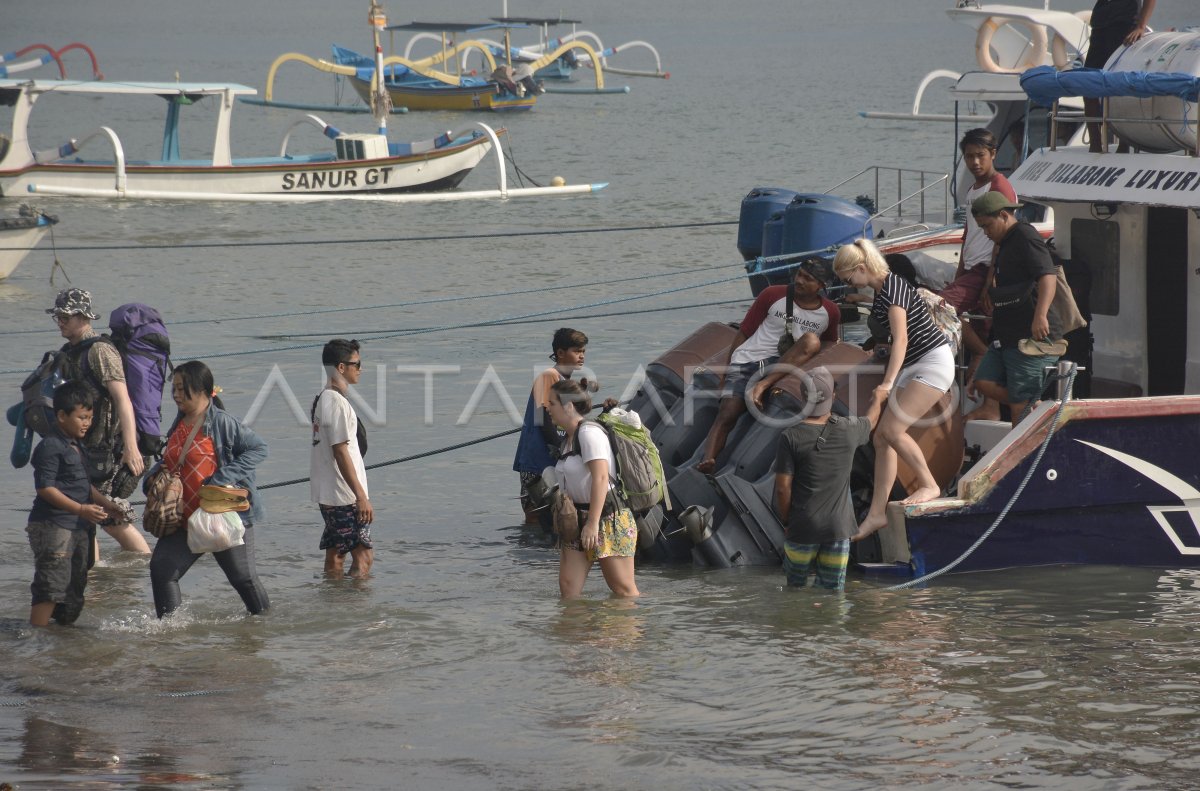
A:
(514, 322)
(430, 301)
(403, 459)
(377, 465)
(1007, 506)
(388, 334)
(395, 239)
(782, 261)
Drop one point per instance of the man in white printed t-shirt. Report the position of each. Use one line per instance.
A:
(338, 477)
(755, 348)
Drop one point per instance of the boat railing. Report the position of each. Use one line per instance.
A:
(1105, 120)
(929, 182)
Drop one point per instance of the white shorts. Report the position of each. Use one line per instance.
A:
(934, 369)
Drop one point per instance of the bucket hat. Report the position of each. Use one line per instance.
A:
(73, 301)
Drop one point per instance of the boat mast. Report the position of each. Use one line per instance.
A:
(381, 100)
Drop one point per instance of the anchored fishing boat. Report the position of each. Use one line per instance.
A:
(1109, 478)
(19, 235)
(557, 59)
(419, 85)
(356, 166)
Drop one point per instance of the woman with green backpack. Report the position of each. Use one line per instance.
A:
(607, 534)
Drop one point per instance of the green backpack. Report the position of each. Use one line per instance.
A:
(641, 482)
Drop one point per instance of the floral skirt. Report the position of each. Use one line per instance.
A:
(617, 539)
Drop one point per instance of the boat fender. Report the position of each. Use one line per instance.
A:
(1034, 53)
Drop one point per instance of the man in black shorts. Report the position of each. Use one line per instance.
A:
(1114, 22)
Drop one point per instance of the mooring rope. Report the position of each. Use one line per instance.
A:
(402, 459)
(377, 465)
(1011, 501)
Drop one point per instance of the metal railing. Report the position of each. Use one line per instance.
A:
(1105, 120)
(928, 180)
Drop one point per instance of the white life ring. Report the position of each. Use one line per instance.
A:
(1034, 53)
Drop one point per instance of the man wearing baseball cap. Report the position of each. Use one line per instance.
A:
(86, 357)
(756, 347)
(1021, 345)
(812, 483)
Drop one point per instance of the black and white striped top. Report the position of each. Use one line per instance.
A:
(923, 335)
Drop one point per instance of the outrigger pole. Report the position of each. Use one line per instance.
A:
(381, 100)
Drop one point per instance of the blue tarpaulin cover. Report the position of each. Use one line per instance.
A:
(366, 65)
(1044, 84)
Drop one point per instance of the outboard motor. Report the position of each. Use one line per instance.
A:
(728, 518)
(757, 207)
(811, 221)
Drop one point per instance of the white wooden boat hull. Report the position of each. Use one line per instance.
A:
(18, 238)
(439, 169)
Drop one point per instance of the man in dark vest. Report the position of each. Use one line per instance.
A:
(88, 358)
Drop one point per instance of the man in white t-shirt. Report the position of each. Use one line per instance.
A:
(755, 348)
(968, 292)
(338, 477)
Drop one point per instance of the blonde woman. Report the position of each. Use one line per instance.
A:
(919, 370)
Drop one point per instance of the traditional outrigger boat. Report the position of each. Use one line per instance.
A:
(566, 57)
(419, 85)
(20, 234)
(1108, 479)
(357, 166)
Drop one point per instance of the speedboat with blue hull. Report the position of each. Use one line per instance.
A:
(1110, 479)
(1118, 485)
(1118, 482)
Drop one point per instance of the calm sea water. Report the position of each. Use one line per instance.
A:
(456, 666)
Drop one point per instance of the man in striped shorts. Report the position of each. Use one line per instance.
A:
(812, 484)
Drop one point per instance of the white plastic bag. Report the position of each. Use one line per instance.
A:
(214, 532)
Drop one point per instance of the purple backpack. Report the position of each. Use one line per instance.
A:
(139, 334)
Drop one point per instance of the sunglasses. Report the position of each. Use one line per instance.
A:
(356, 364)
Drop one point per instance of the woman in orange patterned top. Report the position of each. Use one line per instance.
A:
(222, 452)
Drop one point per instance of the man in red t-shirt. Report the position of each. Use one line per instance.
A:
(756, 346)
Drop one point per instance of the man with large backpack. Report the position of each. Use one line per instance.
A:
(112, 440)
